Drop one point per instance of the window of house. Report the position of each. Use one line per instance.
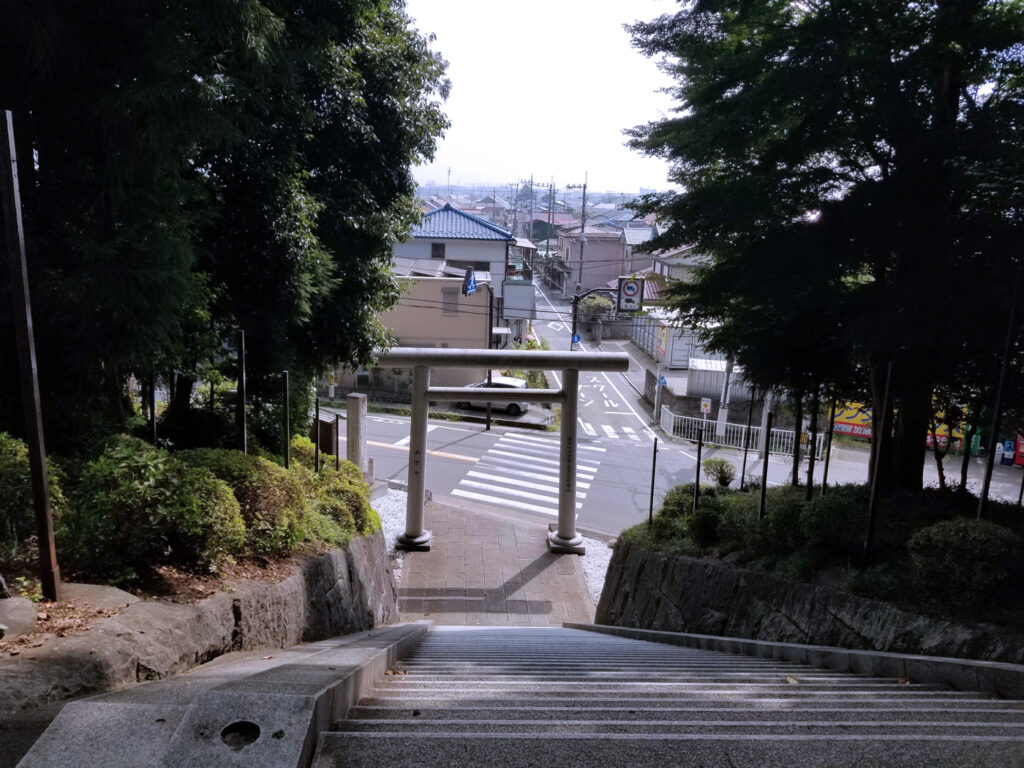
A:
(437, 250)
(450, 301)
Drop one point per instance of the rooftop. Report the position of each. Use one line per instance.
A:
(449, 223)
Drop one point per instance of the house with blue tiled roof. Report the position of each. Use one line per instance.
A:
(460, 240)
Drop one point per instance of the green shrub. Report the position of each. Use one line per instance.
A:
(271, 498)
(702, 526)
(678, 501)
(962, 559)
(136, 506)
(17, 513)
(836, 522)
(719, 471)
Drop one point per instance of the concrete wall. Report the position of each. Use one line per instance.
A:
(342, 591)
(651, 590)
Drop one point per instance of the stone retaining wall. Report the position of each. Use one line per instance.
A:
(340, 592)
(681, 594)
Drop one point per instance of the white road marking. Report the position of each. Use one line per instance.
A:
(405, 440)
(497, 464)
(527, 440)
(521, 494)
(539, 461)
(609, 430)
(588, 428)
(498, 501)
(533, 475)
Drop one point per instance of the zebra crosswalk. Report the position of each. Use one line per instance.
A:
(627, 433)
(521, 472)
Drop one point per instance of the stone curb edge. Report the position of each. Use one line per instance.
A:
(1005, 680)
(302, 698)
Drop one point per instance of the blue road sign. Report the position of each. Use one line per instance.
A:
(575, 338)
(469, 284)
(661, 381)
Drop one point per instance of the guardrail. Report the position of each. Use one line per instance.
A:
(729, 435)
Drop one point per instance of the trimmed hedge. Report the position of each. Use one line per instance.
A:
(271, 499)
(137, 506)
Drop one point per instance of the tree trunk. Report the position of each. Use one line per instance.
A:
(939, 455)
(180, 394)
(915, 406)
(965, 464)
(798, 403)
(881, 432)
(812, 442)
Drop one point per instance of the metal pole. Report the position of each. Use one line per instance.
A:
(10, 194)
(746, 442)
(654, 466)
(696, 480)
(575, 308)
(337, 442)
(490, 339)
(883, 428)
(1020, 496)
(152, 408)
(828, 445)
(415, 537)
(316, 431)
(565, 539)
(243, 435)
(1011, 333)
(764, 467)
(287, 425)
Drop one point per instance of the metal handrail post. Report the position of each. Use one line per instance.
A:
(566, 539)
(415, 538)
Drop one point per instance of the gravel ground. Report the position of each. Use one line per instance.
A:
(391, 508)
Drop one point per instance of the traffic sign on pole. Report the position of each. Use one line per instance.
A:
(631, 294)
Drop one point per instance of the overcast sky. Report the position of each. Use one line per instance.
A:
(544, 87)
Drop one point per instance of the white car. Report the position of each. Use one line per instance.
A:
(499, 382)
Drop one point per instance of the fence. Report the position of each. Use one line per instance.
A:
(730, 435)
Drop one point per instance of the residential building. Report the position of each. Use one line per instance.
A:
(461, 241)
(431, 312)
(599, 260)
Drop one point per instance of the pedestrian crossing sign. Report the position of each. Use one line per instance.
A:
(469, 284)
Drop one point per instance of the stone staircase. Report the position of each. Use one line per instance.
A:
(509, 696)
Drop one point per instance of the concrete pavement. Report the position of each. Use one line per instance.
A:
(485, 569)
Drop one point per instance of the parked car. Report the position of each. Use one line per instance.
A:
(499, 382)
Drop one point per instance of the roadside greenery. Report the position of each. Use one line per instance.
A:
(840, 167)
(931, 554)
(134, 507)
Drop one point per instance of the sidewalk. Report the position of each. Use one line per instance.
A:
(489, 570)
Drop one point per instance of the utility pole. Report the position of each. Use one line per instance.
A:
(583, 230)
(449, 183)
(10, 195)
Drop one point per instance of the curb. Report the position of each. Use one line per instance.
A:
(276, 709)
(1005, 680)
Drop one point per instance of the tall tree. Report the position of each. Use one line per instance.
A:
(191, 168)
(888, 135)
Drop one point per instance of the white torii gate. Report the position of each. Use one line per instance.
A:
(422, 359)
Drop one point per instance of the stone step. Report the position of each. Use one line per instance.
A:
(715, 685)
(669, 702)
(1008, 712)
(395, 749)
(801, 676)
(676, 725)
